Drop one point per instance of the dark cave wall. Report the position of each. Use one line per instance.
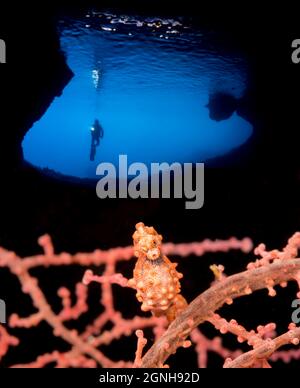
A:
(36, 72)
(260, 201)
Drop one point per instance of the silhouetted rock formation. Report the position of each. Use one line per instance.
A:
(221, 106)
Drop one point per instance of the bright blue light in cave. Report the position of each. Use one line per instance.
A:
(148, 88)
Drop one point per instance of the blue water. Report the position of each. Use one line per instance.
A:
(148, 84)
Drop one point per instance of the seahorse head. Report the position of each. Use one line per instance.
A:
(147, 242)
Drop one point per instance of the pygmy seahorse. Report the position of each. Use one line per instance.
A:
(155, 277)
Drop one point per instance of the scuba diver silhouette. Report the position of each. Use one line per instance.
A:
(97, 133)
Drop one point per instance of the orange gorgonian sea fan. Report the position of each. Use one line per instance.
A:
(174, 322)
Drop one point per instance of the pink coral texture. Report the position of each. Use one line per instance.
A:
(87, 347)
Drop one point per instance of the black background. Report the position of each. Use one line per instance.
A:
(255, 193)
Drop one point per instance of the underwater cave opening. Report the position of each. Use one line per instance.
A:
(142, 87)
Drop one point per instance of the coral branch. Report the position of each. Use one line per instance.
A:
(86, 347)
(202, 308)
(205, 345)
(79, 308)
(116, 278)
(6, 341)
(253, 338)
(140, 346)
(264, 351)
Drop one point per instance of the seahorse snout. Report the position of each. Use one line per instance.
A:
(153, 254)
